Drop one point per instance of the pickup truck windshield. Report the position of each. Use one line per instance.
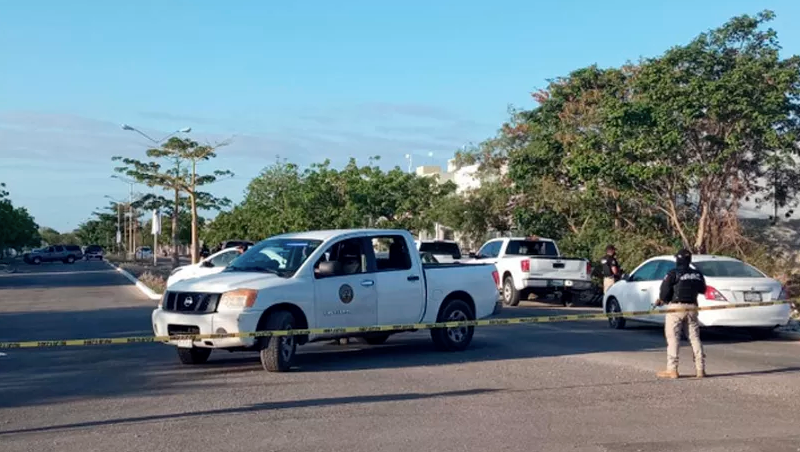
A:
(279, 256)
(531, 248)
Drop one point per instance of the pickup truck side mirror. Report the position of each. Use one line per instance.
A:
(472, 255)
(625, 277)
(207, 264)
(328, 268)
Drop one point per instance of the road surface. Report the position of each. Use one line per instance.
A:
(551, 387)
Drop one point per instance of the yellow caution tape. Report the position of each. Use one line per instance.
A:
(376, 328)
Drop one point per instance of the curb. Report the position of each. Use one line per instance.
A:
(148, 292)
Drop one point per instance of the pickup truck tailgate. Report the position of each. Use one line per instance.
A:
(557, 268)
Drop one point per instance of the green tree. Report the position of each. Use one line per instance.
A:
(17, 227)
(284, 198)
(716, 109)
(174, 167)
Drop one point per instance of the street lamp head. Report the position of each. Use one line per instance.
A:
(185, 130)
(127, 127)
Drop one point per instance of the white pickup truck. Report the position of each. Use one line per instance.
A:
(534, 265)
(324, 279)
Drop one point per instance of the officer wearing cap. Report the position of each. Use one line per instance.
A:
(680, 289)
(611, 270)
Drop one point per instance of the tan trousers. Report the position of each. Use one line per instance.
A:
(677, 322)
(607, 283)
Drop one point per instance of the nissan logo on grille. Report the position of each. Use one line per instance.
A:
(188, 301)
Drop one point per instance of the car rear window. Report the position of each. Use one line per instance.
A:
(94, 249)
(73, 247)
(441, 248)
(727, 269)
(531, 248)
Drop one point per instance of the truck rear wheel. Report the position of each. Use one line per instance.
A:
(194, 355)
(510, 293)
(458, 338)
(277, 352)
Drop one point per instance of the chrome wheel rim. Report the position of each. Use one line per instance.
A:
(507, 291)
(614, 308)
(287, 347)
(457, 334)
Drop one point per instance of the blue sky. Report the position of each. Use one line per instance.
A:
(301, 80)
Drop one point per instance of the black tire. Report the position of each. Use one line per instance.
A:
(36, 260)
(616, 323)
(510, 293)
(277, 353)
(567, 299)
(194, 355)
(454, 339)
(376, 339)
(761, 333)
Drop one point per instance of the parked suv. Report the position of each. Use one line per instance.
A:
(67, 254)
(93, 252)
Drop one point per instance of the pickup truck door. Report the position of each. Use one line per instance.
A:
(401, 286)
(348, 298)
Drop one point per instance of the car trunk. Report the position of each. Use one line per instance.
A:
(746, 290)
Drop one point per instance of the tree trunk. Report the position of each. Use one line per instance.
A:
(193, 202)
(702, 230)
(175, 208)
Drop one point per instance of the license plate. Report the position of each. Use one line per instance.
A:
(186, 343)
(557, 283)
(752, 297)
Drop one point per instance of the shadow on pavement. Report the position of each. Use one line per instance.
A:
(310, 403)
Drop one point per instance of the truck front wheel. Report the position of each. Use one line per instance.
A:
(458, 338)
(277, 352)
(510, 293)
(194, 355)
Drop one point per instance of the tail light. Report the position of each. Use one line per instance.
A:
(588, 268)
(525, 265)
(496, 277)
(714, 295)
(784, 295)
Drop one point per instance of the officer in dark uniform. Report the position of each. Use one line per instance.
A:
(611, 270)
(679, 290)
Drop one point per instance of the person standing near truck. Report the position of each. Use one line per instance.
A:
(611, 270)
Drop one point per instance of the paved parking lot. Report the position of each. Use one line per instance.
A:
(554, 387)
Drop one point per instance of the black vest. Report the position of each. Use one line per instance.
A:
(689, 284)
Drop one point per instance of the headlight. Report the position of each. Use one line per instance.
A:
(242, 298)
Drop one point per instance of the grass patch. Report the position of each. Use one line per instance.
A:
(155, 282)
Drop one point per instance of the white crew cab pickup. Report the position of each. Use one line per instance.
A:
(324, 279)
(534, 265)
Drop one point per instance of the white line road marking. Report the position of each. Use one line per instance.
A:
(2, 354)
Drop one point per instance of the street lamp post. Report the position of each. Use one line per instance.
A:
(118, 240)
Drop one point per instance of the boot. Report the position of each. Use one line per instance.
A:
(668, 374)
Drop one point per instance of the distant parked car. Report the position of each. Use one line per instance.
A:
(208, 266)
(93, 252)
(63, 253)
(144, 252)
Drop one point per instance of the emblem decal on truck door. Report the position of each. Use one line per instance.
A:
(346, 293)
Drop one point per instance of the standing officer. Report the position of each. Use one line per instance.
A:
(611, 271)
(680, 289)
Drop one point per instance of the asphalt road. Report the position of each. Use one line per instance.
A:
(554, 387)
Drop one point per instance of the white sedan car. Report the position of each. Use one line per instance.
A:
(208, 266)
(729, 281)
